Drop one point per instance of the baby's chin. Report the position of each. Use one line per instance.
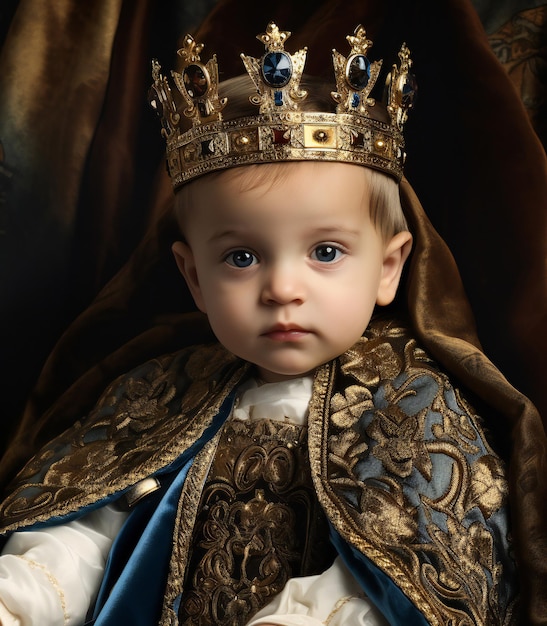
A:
(269, 376)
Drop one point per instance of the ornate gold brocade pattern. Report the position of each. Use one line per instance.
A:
(406, 476)
(399, 462)
(257, 523)
(144, 421)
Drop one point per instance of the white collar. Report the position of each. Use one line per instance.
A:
(286, 400)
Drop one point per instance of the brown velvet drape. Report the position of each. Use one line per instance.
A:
(475, 162)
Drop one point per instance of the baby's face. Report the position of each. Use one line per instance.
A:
(288, 272)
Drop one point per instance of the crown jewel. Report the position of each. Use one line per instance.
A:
(276, 75)
(281, 129)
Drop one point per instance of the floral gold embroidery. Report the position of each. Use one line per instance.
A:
(348, 407)
(143, 421)
(400, 445)
(489, 486)
(399, 461)
(407, 477)
(346, 448)
(381, 363)
(258, 523)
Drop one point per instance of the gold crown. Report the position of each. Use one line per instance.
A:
(281, 130)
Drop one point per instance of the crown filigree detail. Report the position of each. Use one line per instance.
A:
(277, 74)
(401, 89)
(355, 75)
(282, 129)
(198, 84)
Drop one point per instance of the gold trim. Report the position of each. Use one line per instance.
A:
(184, 528)
(339, 605)
(52, 579)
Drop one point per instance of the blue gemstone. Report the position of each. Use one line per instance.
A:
(277, 69)
(355, 100)
(409, 91)
(358, 71)
(278, 98)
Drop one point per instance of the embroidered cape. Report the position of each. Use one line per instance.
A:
(416, 497)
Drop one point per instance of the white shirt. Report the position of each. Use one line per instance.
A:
(50, 577)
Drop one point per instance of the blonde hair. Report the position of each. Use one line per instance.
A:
(385, 208)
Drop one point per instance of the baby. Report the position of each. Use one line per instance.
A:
(314, 466)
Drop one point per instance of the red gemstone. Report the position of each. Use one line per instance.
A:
(281, 135)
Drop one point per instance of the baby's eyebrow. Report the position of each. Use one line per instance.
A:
(224, 234)
(336, 229)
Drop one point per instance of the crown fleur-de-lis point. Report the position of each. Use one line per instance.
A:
(273, 38)
(355, 75)
(359, 41)
(402, 88)
(190, 50)
(404, 56)
(198, 84)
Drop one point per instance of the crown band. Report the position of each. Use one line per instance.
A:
(291, 136)
(281, 131)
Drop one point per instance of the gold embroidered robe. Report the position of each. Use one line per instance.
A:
(416, 496)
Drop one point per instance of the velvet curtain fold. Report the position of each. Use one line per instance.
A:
(54, 73)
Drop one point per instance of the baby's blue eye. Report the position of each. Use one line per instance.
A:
(241, 258)
(326, 254)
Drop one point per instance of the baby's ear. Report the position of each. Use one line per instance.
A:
(395, 254)
(187, 267)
